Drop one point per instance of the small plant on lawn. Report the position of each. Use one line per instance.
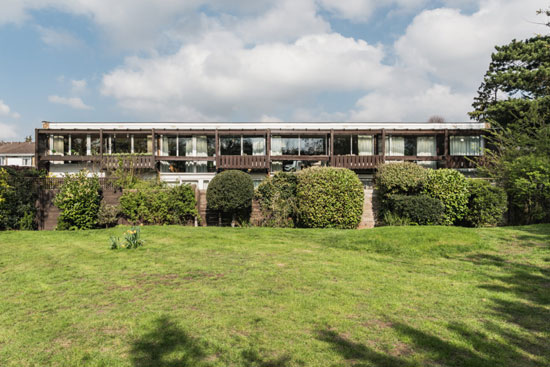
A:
(132, 240)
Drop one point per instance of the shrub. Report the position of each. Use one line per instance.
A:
(451, 188)
(400, 179)
(329, 198)
(157, 204)
(417, 209)
(486, 205)
(20, 196)
(391, 219)
(78, 200)
(276, 196)
(527, 182)
(108, 215)
(231, 192)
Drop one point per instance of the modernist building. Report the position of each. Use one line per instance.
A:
(20, 154)
(194, 152)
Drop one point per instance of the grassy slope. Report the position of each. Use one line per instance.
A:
(271, 297)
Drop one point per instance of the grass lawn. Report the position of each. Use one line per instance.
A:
(394, 296)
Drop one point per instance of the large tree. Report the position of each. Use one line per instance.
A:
(514, 98)
(518, 76)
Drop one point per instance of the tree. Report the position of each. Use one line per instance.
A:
(514, 98)
(518, 75)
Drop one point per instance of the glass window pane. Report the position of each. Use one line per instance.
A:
(141, 143)
(253, 145)
(289, 145)
(121, 144)
(95, 144)
(230, 145)
(426, 146)
(201, 146)
(365, 145)
(79, 144)
(211, 142)
(185, 146)
(342, 144)
(312, 145)
(410, 145)
(466, 145)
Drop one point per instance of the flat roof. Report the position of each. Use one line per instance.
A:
(265, 125)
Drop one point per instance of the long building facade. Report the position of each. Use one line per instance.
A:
(195, 152)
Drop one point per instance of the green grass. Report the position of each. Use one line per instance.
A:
(394, 296)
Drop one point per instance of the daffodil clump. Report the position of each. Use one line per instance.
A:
(131, 240)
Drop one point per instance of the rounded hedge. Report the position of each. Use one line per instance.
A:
(329, 198)
(230, 191)
(417, 209)
(400, 179)
(486, 205)
(451, 187)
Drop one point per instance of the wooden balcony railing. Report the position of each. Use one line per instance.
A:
(55, 183)
(244, 161)
(458, 161)
(130, 161)
(357, 161)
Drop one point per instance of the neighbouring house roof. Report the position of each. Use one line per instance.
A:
(17, 148)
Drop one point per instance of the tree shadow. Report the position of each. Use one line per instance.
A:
(515, 332)
(167, 346)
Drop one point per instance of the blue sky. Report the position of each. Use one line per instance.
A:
(261, 60)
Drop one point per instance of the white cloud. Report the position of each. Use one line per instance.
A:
(78, 86)
(456, 48)
(73, 102)
(413, 106)
(267, 118)
(220, 76)
(58, 38)
(7, 131)
(5, 110)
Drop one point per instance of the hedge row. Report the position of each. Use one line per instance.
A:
(317, 197)
(405, 187)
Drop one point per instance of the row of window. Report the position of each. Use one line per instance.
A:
(205, 145)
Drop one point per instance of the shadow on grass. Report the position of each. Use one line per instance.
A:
(515, 330)
(167, 345)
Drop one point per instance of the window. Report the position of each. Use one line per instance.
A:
(230, 145)
(342, 145)
(187, 166)
(27, 161)
(426, 146)
(95, 144)
(364, 145)
(395, 145)
(312, 145)
(57, 144)
(2, 161)
(121, 144)
(253, 145)
(185, 146)
(466, 145)
(78, 144)
(143, 144)
(410, 145)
